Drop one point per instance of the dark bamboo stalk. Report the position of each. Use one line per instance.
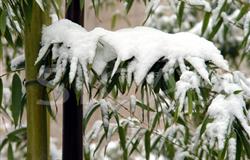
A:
(72, 110)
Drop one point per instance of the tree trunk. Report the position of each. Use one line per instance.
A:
(72, 110)
(37, 115)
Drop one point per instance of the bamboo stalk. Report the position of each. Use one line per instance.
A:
(37, 115)
(72, 109)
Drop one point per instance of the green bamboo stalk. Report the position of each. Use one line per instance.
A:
(37, 114)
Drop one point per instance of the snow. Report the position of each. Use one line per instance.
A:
(246, 25)
(224, 109)
(132, 103)
(203, 3)
(104, 111)
(231, 148)
(17, 62)
(188, 80)
(150, 78)
(100, 46)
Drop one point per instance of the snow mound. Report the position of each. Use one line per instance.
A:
(72, 45)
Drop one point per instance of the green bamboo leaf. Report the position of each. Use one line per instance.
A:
(122, 136)
(134, 146)
(241, 133)
(238, 148)
(190, 101)
(99, 143)
(113, 21)
(1, 92)
(156, 119)
(23, 102)
(3, 143)
(10, 152)
(129, 5)
(14, 135)
(89, 114)
(244, 9)
(16, 90)
(1, 49)
(147, 144)
(82, 3)
(8, 37)
(3, 21)
(205, 22)
(96, 7)
(144, 106)
(204, 124)
(68, 3)
(215, 29)
(180, 13)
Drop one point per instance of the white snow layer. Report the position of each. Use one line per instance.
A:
(224, 109)
(203, 3)
(72, 43)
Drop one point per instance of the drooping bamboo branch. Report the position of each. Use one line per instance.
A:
(37, 115)
(72, 109)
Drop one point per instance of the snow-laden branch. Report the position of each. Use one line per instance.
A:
(71, 44)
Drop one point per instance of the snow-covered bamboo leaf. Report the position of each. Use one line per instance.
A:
(105, 115)
(91, 110)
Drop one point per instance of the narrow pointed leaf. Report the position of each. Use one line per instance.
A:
(205, 22)
(16, 98)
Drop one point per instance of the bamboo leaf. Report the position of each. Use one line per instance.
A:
(156, 119)
(89, 114)
(205, 22)
(238, 148)
(244, 9)
(82, 3)
(134, 146)
(16, 98)
(113, 21)
(3, 21)
(3, 143)
(180, 13)
(10, 152)
(147, 144)
(122, 136)
(190, 102)
(215, 29)
(143, 106)
(1, 92)
(129, 4)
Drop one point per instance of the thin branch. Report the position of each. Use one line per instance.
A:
(7, 73)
